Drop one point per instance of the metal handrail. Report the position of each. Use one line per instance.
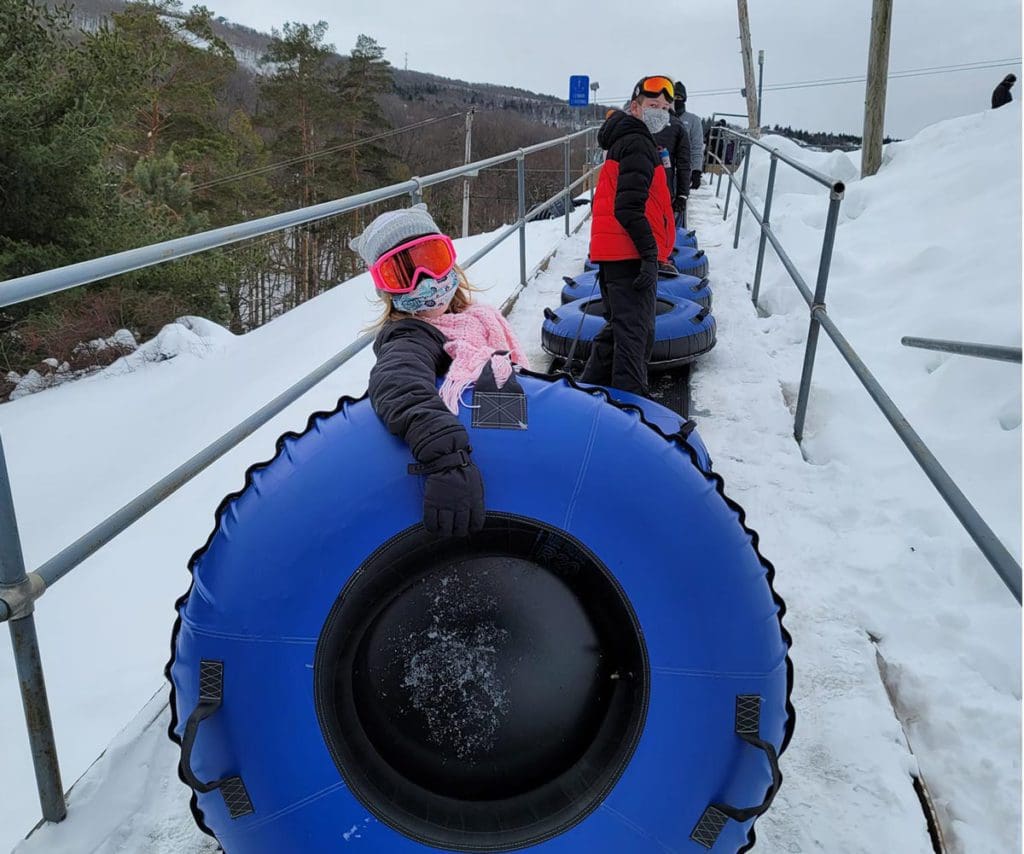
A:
(35, 285)
(990, 545)
(965, 348)
(19, 589)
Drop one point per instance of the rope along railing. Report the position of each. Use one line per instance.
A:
(19, 588)
(990, 545)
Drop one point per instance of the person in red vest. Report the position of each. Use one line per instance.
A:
(633, 230)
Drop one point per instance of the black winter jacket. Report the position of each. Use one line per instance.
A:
(403, 389)
(675, 138)
(630, 194)
(1001, 94)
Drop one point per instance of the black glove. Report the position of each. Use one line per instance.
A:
(679, 204)
(453, 496)
(695, 179)
(648, 277)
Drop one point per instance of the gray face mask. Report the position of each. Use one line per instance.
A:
(655, 119)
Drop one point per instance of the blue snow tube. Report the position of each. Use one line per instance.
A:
(603, 668)
(692, 262)
(686, 238)
(682, 330)
(670, 284)
(661, 418)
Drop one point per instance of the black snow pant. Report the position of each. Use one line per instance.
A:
(623, 347)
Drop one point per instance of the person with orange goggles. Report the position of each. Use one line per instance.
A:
(431, 328)
(633, 229)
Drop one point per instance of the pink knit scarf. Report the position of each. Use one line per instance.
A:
(474, 336)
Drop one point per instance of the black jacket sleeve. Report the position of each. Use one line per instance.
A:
(636, 171)
(403, 390)
(681, 159)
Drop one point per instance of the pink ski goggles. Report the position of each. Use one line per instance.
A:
(399, 270)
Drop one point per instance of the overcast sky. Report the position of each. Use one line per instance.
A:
(537, 44)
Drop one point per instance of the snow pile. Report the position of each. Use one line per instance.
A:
(928, 247)
(195, 336)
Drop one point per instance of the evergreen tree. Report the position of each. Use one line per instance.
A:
(52, 139)
(301, 105)
(367, 76)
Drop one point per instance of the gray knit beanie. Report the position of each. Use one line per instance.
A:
(392, 228)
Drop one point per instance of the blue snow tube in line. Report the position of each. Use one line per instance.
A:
(686, 238)
(603, 668)
(670, 284)
(683, 330)
(692, 262)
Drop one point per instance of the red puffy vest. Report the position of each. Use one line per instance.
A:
(609, 241)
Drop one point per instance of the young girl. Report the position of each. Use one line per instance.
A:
(431, 328)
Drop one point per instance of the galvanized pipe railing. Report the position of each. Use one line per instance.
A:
(29, 287)
(20, 589)
(965, 348)
(990, 545)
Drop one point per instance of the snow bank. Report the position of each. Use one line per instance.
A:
(930, 247)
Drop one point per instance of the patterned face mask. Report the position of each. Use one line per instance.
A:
(429, 294)
(655, 119)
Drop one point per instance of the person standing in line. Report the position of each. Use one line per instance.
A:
(695, 131)
(633, 229)
(1001, 94)
(673, 143)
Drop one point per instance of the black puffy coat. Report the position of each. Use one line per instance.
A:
(675, 138)
(403, 389)
(632, 209)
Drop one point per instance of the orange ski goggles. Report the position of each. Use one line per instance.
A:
(652, 87)
(399, 270)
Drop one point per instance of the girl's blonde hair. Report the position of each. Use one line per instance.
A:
(462, 299)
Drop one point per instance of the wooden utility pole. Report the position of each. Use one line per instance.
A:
(465, 181)
(874, 95)
(748, 67)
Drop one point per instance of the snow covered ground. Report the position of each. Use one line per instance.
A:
(873, 566)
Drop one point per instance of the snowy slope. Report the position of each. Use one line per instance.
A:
(871, 562)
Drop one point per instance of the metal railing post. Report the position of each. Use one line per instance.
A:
(765, 223)
(739, 201)
(416, 193)
(728, 194)
(15, 582)
(521, 191)
(818, 305)
(567, 182)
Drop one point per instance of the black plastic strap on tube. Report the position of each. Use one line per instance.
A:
(716, 816)
(211, 695)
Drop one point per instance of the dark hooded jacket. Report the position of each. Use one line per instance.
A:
(632, 207)
(676, 141)
(403, 389)
(1001, 94)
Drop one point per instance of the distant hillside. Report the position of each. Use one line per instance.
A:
(441, 93)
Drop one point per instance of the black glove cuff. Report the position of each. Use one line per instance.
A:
(456, 460)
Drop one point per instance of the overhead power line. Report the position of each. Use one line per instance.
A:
(840, 81)
(324, 152)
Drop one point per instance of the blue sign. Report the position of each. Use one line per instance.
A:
(579, 90)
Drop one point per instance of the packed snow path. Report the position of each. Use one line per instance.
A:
(871, 564)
